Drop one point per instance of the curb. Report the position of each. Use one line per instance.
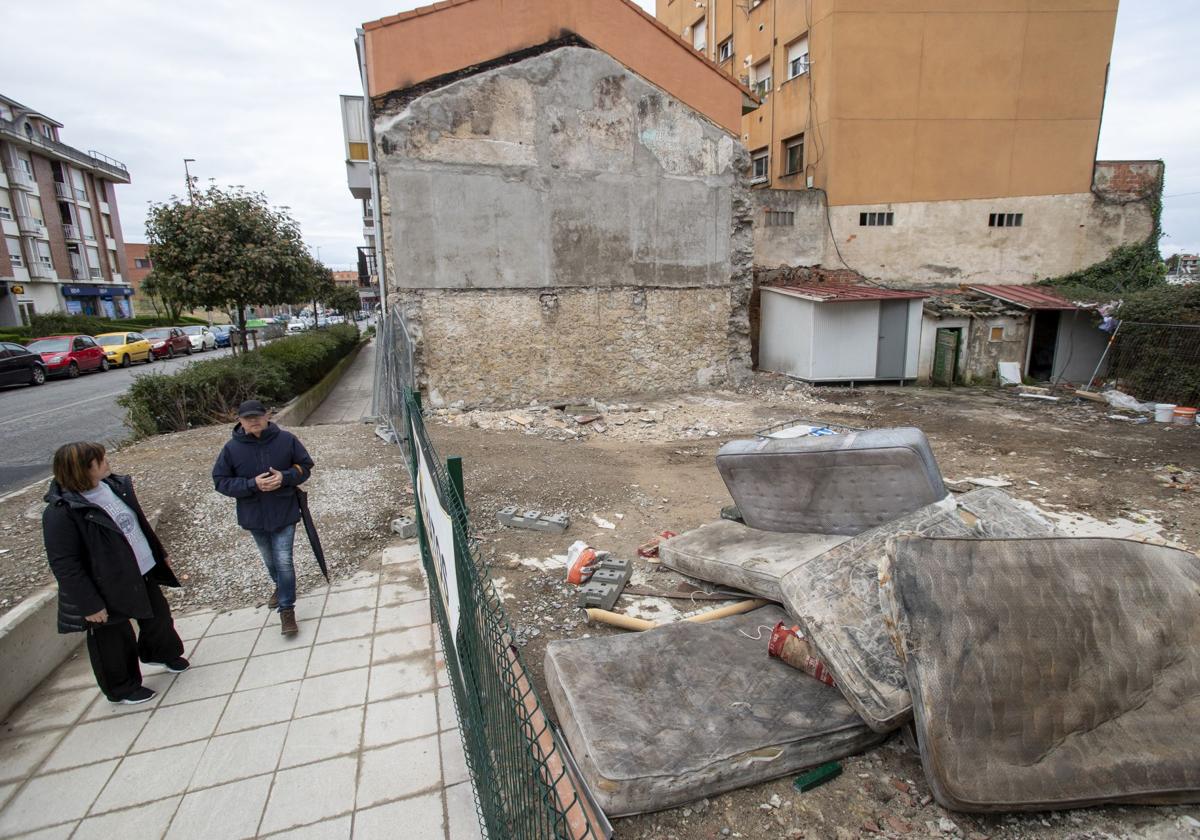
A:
(31, 647)
(296, 412)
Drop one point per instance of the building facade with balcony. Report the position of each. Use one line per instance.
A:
(919, 141)
(62, 248)
(360, 179)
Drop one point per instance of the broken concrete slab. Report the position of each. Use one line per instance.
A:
(835, 597)
(838, 484)
(1082, 663)
(652, 725)
(533, 520)
(730, 554)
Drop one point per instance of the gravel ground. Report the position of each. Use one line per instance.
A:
(358, 486)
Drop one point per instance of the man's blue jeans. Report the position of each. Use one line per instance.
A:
(276, 550)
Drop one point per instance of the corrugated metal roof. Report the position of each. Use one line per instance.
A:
(1028, 297)
(831, 292)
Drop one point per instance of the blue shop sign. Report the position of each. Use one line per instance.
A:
(80, 291)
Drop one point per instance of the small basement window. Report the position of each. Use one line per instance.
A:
(884, 219)
(781, 218)
(1005, 219)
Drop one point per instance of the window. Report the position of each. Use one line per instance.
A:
(93, 261)
(700, 35)
(106, 224)
(780, 218)
(141, 262)
(996, 334)
(760, 77)
(876, 219)
(1005, 219)
(793, 155)
(27, 312)
(26, 164)
(86, 226)
(77, 185)
(797, 57)
(112, 261)
(101, 190)
(14, 251)
(43, 253)
(762, 166)
(725, 50)
(5, 205)
(358, 151)
(47, 131)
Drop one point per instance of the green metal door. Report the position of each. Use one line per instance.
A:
(945, 357)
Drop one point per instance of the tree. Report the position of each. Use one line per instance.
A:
(227, 249)
(156, 296)
(343, 299)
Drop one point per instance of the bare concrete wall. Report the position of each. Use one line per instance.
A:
(559, 225)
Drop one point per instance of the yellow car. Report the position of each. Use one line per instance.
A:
(125, 348)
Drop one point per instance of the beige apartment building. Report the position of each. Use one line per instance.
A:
(61, 248)
(927, 140)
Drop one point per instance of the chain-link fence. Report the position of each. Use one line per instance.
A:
(526, 786)
(1157, 362)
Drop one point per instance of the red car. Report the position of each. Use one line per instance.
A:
(167, 341)
(69, 355)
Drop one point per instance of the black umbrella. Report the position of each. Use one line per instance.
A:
(310, 528)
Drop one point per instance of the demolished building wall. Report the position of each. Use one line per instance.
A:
(558, 226)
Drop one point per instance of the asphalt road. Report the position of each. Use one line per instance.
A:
(34, 421)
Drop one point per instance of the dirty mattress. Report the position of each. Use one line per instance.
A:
(667, 716)
(731, 554)
(1051, 673)
(836, 484)
(835, 597)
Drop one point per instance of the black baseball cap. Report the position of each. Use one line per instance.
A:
(251, 408)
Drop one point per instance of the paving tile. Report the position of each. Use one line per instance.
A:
(247, 618)
(443, 676)
(406, 553)
(58, 832)
(55, 798)
(145, 821)
(460, 809)
(388, 646)
(352, 601)
(148, 776)
(159, 681)
(311, 793)
(52, 711)
(272, 641)
(346, 626)
(200, 682)
(399, 770)
(404, 676)
(335, 829)
(240, 755)
(6, 792)
(421, 816)
(19, 756)
(88, 742)
(358, 581)
(225, 647)
(230, 812)
(403, 616)
(76, 672)
(248, 709)
(402, 592)
(321, 737)
(447, 714)
(454, 759)
(332, 691)
(170, 725)
(273, 669)
(311, 605)
(400, 719)
(191, 627)
(339, 656)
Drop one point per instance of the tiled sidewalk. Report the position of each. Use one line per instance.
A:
(344, 731)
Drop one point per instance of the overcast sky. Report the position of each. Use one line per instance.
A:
(250, 90)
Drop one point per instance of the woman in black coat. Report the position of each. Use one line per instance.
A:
(109, 565)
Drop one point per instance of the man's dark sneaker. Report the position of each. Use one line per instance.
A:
(139, 695)
(273, 601)
(176, 666)
(287, 622)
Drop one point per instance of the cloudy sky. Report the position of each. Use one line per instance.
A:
(250, 90)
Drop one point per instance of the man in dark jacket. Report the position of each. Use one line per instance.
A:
(109, 565)
(262, 466)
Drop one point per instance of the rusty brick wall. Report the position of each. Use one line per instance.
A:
(1127, 180)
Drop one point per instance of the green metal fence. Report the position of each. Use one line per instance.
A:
(524, 784)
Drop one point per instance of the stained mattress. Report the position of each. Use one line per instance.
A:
(838, 484)
(1051, 673)
(835, 597)
(731, 554)
(653, 724)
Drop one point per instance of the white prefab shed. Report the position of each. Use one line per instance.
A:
(839, 333)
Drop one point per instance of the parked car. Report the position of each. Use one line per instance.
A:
(167, 341)
(296, 325)
(69, 355)
(201, 337)
(20, 366)
(223, 333)
(125, 348)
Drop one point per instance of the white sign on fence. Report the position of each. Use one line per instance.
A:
(439, 529)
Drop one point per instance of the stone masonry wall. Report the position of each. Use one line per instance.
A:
(559, 226)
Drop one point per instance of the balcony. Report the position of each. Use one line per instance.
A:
(31, 226)
(41, 270)
(110, 243)
(77, 269)
(112, 169)
(358, 178)
(71, 232)
(62, 190)
(21, 178)
(91, 237)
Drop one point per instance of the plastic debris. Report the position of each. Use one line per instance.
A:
(817, 776)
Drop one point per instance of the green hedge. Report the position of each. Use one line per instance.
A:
(209, 392)
(58, 323)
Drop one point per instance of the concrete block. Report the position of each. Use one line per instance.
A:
(31, 646)
(405, 527)
(533, 520)
(605, 585)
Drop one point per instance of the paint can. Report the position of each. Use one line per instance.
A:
(1184, 416)
(1164, 412)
